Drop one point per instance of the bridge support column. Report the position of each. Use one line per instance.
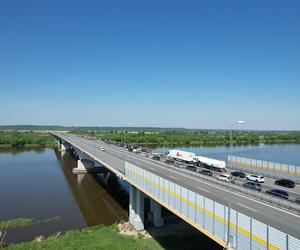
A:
(136, 208)
(154, 214)
(84, 166)
(64, 146)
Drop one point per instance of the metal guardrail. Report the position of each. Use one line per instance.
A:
(266, 168)
(255, 194)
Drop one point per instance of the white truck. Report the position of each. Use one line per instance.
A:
(182, 155)
(209, 163)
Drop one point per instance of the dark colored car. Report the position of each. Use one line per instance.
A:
(279, 193)
(156, 157)
(285, 183)
(238, 174)
(169, 161)
(206, 172)
(297, 200)
(191, 167)
(253, 185)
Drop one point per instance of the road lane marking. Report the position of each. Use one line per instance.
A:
(173, 177)
(252, 209)
(205, 190)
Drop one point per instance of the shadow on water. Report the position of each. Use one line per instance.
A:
(100, 197)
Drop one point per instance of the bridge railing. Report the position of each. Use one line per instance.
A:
(267, 168)
(221, 223)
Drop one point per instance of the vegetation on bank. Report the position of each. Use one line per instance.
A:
(98, 237)
(27, 138)
(154, 136)
(178, 137)
(108, 237)
(22, 222)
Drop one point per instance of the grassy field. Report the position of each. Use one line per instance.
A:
(108, 237)
(98, 237)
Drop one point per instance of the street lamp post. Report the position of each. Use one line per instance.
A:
(229, 202)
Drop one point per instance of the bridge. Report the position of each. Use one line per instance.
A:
(232, 219)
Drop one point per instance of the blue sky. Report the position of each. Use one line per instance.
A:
(193, 64)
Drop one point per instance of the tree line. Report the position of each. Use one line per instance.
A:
(194, 137)
(28, 138)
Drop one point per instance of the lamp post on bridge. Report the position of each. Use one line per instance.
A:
(229, 202)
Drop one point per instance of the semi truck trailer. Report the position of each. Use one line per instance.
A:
(180, 155)
(209, 163)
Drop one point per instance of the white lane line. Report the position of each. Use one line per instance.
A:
(173, 177)
(246, 207)
(205, 190)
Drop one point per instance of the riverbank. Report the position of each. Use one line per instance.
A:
(177, 236)
(98, 237)
(16, 139)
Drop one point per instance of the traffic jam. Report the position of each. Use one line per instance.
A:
(215, 169)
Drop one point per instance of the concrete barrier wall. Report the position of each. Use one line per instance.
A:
(219, 222)
(269, 169)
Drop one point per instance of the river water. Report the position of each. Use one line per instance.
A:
(39, 183)
(280, 153)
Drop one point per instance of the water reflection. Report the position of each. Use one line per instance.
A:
(15, 151)
(39, 183)
(96, 204)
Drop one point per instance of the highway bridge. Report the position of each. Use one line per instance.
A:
(232, 219)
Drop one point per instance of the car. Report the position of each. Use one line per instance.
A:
(156, 157)
(103, 149)
(238, 174)
(163, 155)
(297, 200)
(224, 177)
(206, 172)
(143, 154)
(256, 178)
(169, 161)
(285, 183)
(279, 193)
(191, 167)
(252, 185)
(179, 165)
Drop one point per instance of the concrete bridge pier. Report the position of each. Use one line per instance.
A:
(154, 214)
(63, 146)
(110, 178)
(136, 208)
(84, 166)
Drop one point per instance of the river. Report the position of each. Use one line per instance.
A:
(38, 183)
